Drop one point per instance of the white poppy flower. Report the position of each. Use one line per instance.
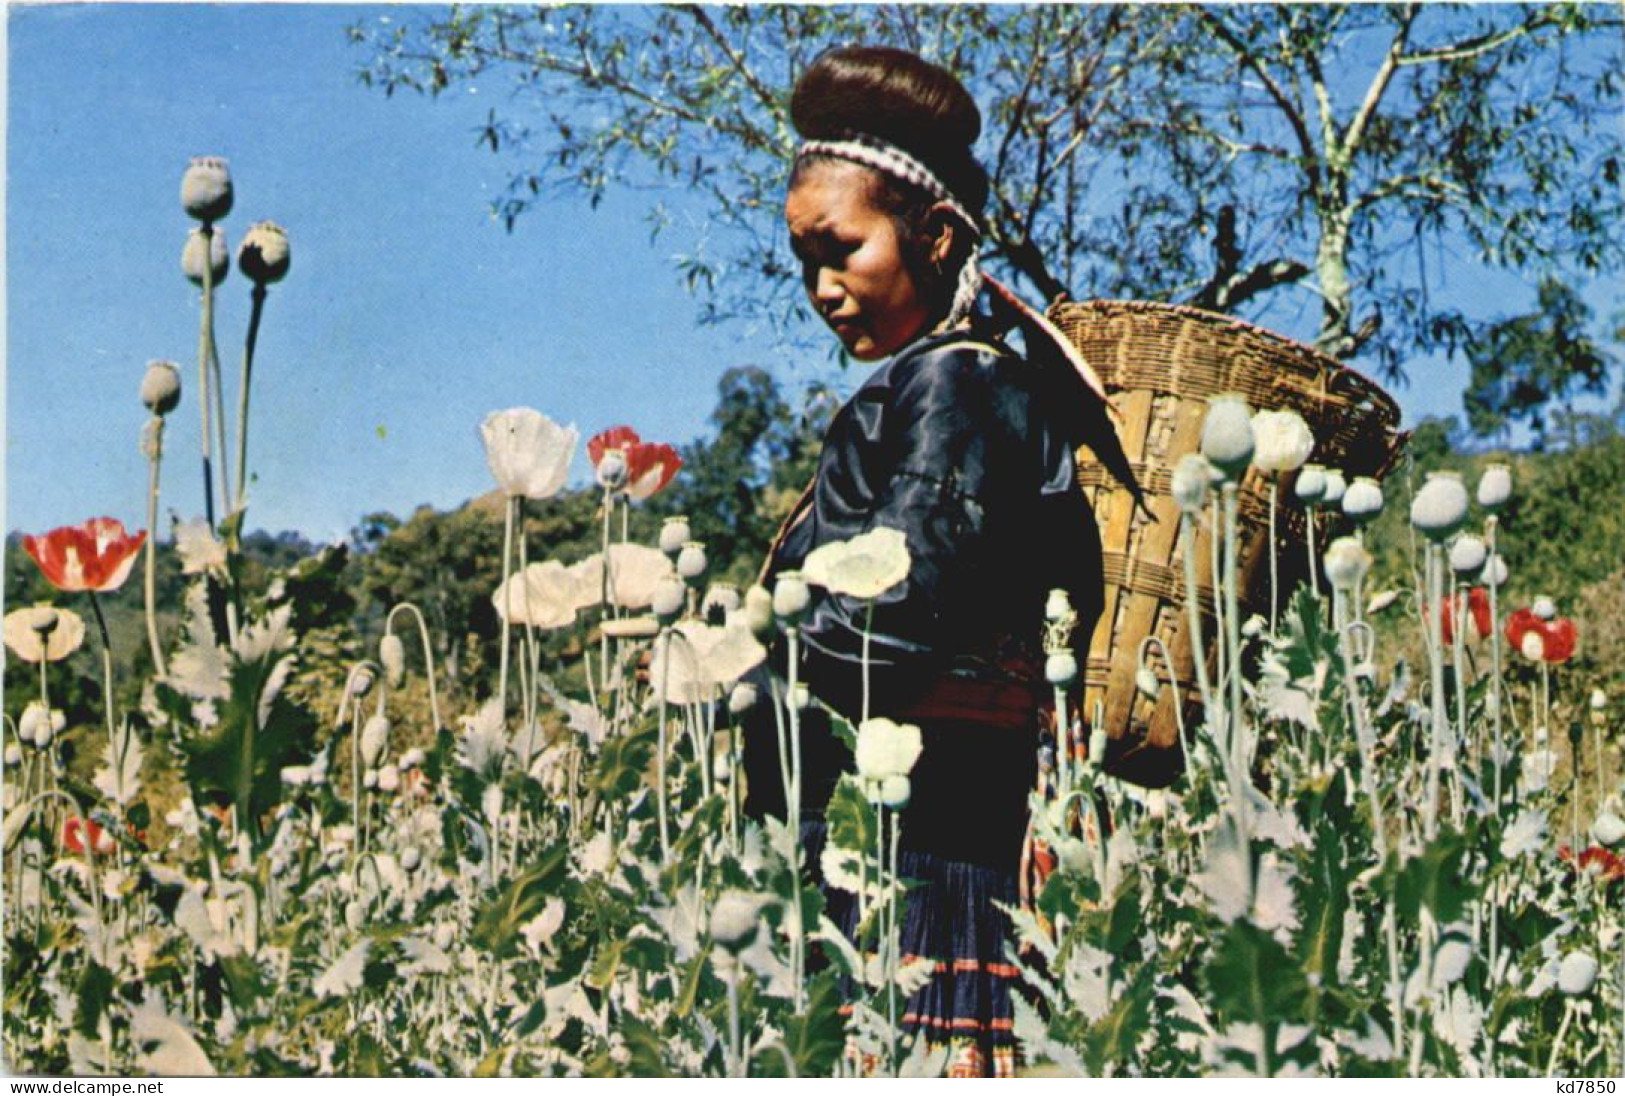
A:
(700, 660)
(886, 748)
(543, 595)
(864, 567)
(1281, 441)
(529, 454)
(1526, 835)
(635, 571)
(31, 640)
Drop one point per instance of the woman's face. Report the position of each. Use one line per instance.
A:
(852, 261)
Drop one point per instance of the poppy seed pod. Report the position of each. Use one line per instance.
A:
(1061, 669)
(1440, 506)
(1097, 745)
(735, 920)
(1057, 605)
(1599, 700)
(192, 257)
(1495, 487)
(374, 740)
(1336, 487)
(1608, 830)
(720, 600)
(360, 683)
(1362, 502)
(411, 858)
(1191, 478)
(801, 697)
(14, 754)
(674, 533)
(34, 721)
(392, 654)
(389, 779)
(1281, 441)
(1468, 554)
(161, 387)
(1544, 608)
(895, 792)
(1227, 434)
(1495, 571)
(691, 560)
(206, 189)
(791, 597)
(669, 598)
(445, 934)
(759, 612)
(1311, 485)
(612, 470)
(263, 255)
(1346, 563)
(1577, 973)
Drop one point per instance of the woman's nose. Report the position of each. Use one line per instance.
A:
(826, 287)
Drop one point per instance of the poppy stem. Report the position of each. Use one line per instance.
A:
(155, 456)
(660, 745)
(242, 396)
(507, 598)
(203, 341)
(107, 664)
(1435, 639)
(1275, 483)
(1495, 651)
(1193, 614)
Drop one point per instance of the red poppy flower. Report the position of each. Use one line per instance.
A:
(77, 832)
(1479, 623)
(1597, 860)
(96, 556)
(1542, 640)
(650, 466)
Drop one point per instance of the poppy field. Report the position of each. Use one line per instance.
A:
(1382, 859)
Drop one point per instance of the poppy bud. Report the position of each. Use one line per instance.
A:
(612, 470)
(206, 189)
(389, 778)
(14, 754)
(759, 612)
(369, 779)
(1577, 973)
(721, 770)
(445, 934)
(790, 597)
(801, 697)
(674, 534)
(691, 560)
(743, 698)
(192, 257)
(1061, 669)
(374, 740)
(412, 758)
(1190, 482)
(895, 792)
(360, 683)
(355, 914)
(263, 255)
(1544, 608)
(735, 920)
(392, 654)
(1440, 506)
(1495, 571)
(411, 858)
(1145, 680)
(1097, 745)
(1156, 804)
(1311, 485)
(1362, 502)
(1608, 830)
(1057, 606)
(161, 387)
(1468, 555)
(1494, 487)
(1227, 434)
(1335, 488)
(1073, 856)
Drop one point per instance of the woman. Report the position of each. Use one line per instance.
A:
(960, 443)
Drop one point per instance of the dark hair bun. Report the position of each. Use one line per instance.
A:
(902, 99)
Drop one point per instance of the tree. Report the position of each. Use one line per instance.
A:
(1522, 365)
(1242, 158)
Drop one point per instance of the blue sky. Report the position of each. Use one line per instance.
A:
(409, 313)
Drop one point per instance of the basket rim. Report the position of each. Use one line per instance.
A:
(1244, 327)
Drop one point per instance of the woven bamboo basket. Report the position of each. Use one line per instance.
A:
(1160, 364)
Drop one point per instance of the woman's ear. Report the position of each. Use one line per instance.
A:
(941, 232)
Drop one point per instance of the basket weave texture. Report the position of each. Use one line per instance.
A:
(1160, 365)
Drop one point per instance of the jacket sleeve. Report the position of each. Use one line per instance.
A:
(955, 466)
